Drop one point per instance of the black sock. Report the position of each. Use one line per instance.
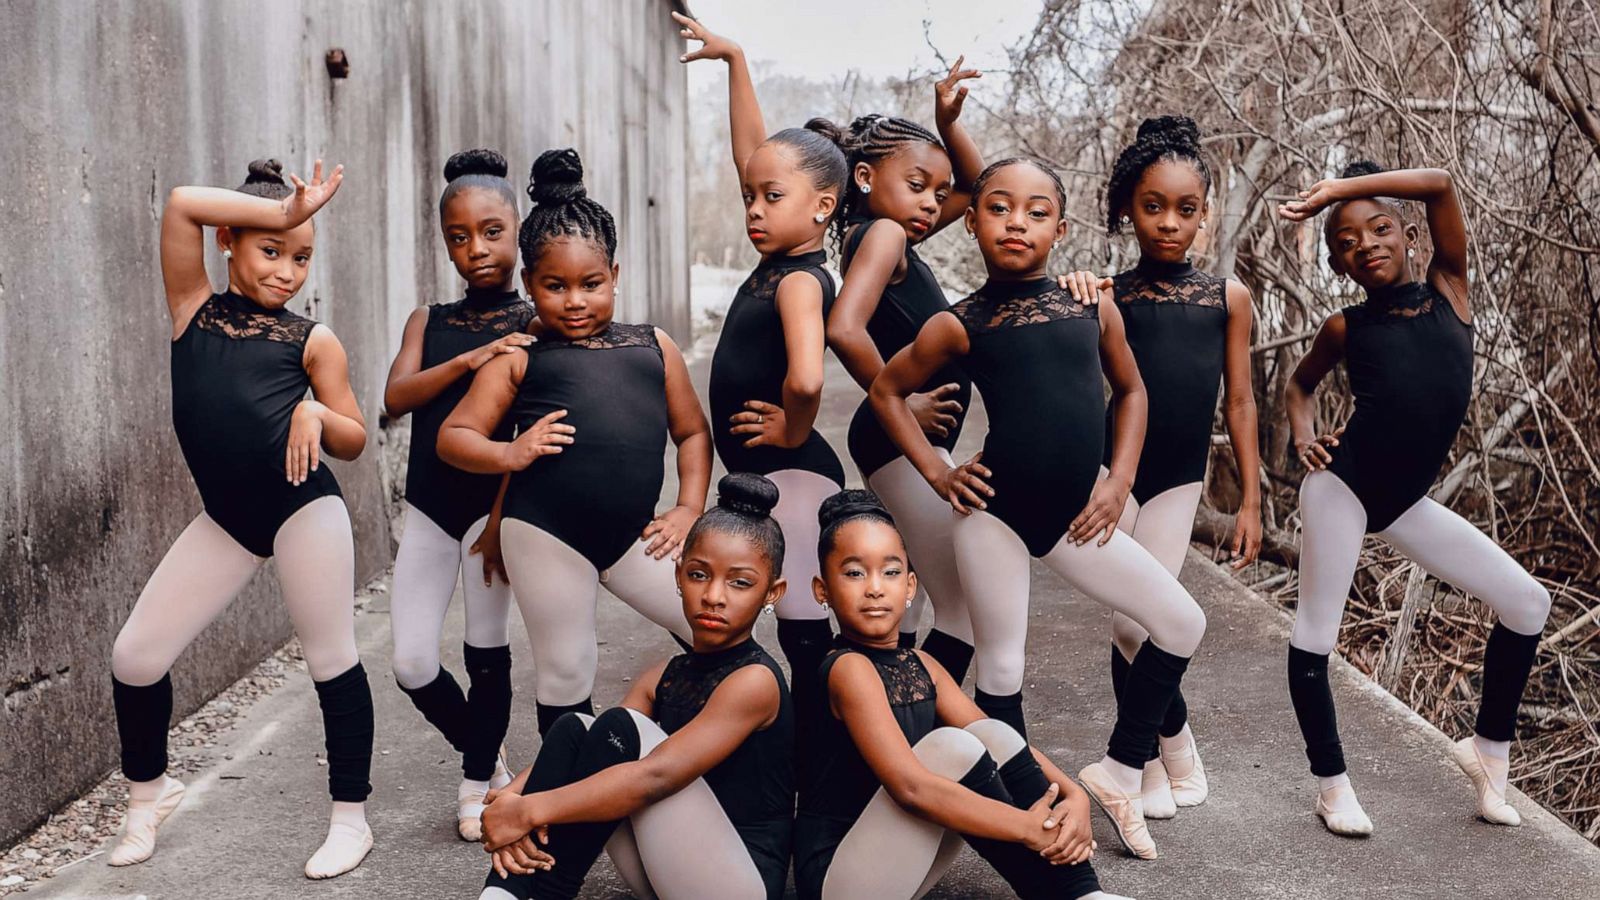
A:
(906, 639)
(143, 716)
(1023, 777)
(346, 702)
(952, 652)
(548, 714)
(1313, 708)
(488, 708)
(568, 753)
(1119, 672)
(444, 706)
(1030, 875)
(805, 643)
(1507, 661)
(1153, 678)
(1005, 707)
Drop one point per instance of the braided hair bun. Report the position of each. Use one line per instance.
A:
(265, 179)
(557, 177)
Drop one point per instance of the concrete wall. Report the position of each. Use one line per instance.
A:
(110, 104)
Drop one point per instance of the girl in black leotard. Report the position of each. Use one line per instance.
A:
(1188, 330)
(593, 403)
(241, 366)
(766, 373)
(906, 766)
(1408, 352)
(698, 759)
(448, 509)
(1037, 357)
(902, 190)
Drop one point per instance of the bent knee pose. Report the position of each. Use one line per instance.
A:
(241, 366)
(1037, 356)
(766, 373)
(448, 509)
(697, 762)
(593, 402)
(1188, 330)
(907, 767)
(1408, 352)
(905, 185)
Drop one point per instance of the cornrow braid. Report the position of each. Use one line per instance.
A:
(872, 139)
(984, 176)
(562, 208)
(1161, 138)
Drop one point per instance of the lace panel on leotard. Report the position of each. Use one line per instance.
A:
(235, 317)
(905, 678)
(690, 679)
(981, 313)
(617, 334)
(462, 316)
(1407, 301)
(1193, 287)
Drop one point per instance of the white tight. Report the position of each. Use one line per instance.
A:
(1162, 527)
(928, 524)
(800, 492)
(1445, 545)
(889, 852)
(205, 569)
(1121, 575)
(425, 575)
(557, 588)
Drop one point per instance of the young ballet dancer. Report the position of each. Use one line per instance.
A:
(1408, 352)
(241, 366)
(907, 766)
(766, 373)
(906, 183)
(447, 509)
(1188, 330)
(594, 402)
(698, 759)
(1040, 360)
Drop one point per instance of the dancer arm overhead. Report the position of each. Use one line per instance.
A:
(966, 160)
(745, 124)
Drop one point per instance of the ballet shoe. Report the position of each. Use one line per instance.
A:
(1191, 789)
(138, 841)
(1124, 810)
(469, 800)
(1156, 792)
(1492, 805)
(344, 849)
(1341, 812)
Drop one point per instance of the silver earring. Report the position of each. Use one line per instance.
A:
(1126, 220)
(1054, 244)
(1202, 224)
(865, 188)
(766, 610)
(972, 235)
(1411, 251)
(908, 604)
(227, 254)
(820, 218)
(824, 606)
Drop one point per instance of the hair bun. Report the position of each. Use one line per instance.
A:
(265, 171)
(747, 494)
(557, 177)
(828, 129)
(1360, 167)
(1171, 130)
(475, 162)
(850, 503)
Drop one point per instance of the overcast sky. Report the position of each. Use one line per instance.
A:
(876, 37)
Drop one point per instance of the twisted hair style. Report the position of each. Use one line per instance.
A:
(562, 208)
(1355, 170)
(265, 179)
(989, 171)
(816, 148)
(843, 508)
(744, 508)
(871, 139)
(1163, 138)
(480, 168)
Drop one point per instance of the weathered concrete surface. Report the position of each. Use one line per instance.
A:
(110, 104)
(257, 817)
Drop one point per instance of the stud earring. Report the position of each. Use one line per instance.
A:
(1126, 220)
(908, 604)
(865, 188)
(820, 218)
(824, 606)
(1054, 244)
(1202, 224)
(972, 235)
(766, 610)
(227, 254)
(1411, 251)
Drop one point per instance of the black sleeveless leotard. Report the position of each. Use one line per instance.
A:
(451, 498)
(1177, 322)
(238, 372)
(755, 785)
(1409, 359)
(839, 783)
(601, 491)
(1035, 357)
(901, 312)
(751, 362)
